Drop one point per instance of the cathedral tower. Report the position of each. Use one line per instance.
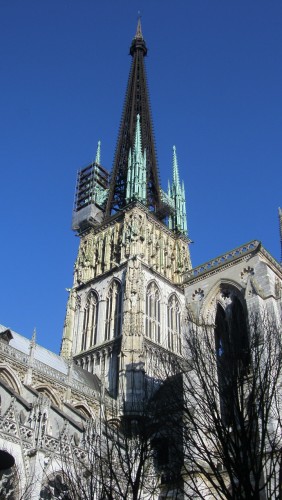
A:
(127, 299)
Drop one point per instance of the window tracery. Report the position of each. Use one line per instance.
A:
(153, 312)
(113, 311)
(89, 333)
(174, 324)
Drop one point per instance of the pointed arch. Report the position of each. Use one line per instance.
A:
(226, 309)
(153, 312)
(90, 320)
(11, 379)
(216, 295)
(231, 346)
(49, 393)
(174, 324)
(113, 310)
(56, 486)
(9, 475)
(84, 410)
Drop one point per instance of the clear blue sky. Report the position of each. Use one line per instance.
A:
(215, 80)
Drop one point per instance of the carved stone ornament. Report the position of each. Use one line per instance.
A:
(277, 288)
(198, 295)
(247, 271)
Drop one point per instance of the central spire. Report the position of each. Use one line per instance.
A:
(136, 103)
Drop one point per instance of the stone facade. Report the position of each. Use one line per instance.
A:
(44, 396)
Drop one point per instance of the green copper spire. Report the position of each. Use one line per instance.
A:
(98, 153)
(177, 221)
(98, 193)
(175, 167)
(136, 173)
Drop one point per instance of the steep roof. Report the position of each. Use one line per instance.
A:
(51, 360)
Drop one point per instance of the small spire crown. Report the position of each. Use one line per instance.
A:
(98, 154)
(32, 342)
(138, 41)
(33, 338)
(139, 29)
(177, 221)
(136, 174)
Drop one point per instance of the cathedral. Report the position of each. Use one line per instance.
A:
(134, 295)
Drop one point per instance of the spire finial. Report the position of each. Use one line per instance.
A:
(175, 168)
(32, 343)
(139, 28)
(98, 153)
(138, 145)
(33, 338)
(136, 174)
(177, 221)
(138, 42)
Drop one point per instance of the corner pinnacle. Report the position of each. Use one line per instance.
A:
(98, 153)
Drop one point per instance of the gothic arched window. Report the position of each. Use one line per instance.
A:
(113, 311)
(232, 352)
(153, 313)
(89, 334)
(173, 324)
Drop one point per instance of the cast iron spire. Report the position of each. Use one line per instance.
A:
(136, 103)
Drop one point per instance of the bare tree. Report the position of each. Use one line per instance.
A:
(114, 460)
(10, 485)
(229, 399)
(212, 429)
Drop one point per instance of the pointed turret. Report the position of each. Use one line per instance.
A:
(136, 173)
(177, 220)
(98, 154)
(175, 168)
(32, 341)
(136, 103)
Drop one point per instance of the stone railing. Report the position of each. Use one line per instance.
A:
(221, 260)
(50, 372)
(14, 353)
(79, 386)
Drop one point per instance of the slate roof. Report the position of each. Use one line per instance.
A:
(52, 360)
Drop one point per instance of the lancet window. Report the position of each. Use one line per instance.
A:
(113, 311)
(89, 334)
(173, 324)
(153, 312)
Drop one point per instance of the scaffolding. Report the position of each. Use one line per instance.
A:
(90, 196)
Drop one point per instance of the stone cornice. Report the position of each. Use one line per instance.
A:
(119, 216)
(221, 262)
(108, 344)
(100, 277)
(274, 263)
(224, 261)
